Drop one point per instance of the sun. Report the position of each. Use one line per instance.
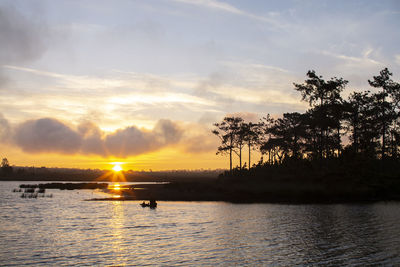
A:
(117, 167)
(114, 173)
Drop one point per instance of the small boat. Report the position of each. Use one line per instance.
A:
(152, 204)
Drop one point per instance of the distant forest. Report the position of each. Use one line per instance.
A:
(8, 172)
(370, 120)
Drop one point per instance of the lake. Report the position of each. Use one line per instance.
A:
(65, 230)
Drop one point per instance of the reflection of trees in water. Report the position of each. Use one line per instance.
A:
(339, 234)
(306, 234)
(244, 234)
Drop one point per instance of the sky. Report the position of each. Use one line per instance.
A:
(86, 83)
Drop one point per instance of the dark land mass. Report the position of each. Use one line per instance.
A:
(271, 191)
(16, 173)
(292, 182)
(66, 186)
(242, 191)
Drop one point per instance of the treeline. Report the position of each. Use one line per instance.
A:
(5, 169)
(370, 120)
(8, 172)
(11, 173)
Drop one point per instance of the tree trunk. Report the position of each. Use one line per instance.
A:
(240, 157)
(383, 126)
(392, 145)
(383, 140)
(230, 160)
(269, 156)
(355, 136)
(321, 144)
(230, 155)
(249, 154)
(338, 140)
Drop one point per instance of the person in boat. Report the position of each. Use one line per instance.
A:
(152, 203)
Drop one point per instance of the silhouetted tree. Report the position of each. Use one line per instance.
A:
(5, 167)
(239, 141)
(292, 131)
(227, 131)
(286, 136)
(395, 138)
(386, 102)
(326, 103)
(276, 149)
(361, 125)
(264, 131)
(251, 136)
(316, 91)
(371, 120)
(4, 163)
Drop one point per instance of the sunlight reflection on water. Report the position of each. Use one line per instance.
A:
(117, 223)
(64, 230)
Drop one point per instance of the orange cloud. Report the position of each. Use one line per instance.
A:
(49, 135)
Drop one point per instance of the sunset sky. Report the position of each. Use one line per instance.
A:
(85, 83)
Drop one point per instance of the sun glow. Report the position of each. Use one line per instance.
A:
(117, 167)
(114, 174)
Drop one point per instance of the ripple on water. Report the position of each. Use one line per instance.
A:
(65, 230)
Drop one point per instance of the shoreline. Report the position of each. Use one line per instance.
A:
(234, 192)
(278, 202)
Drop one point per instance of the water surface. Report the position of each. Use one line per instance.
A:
(65, 230)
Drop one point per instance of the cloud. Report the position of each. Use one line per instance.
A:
(92, 139)
(225, 7)
(214, 5)
(22, 39)
(197, 138)
(397, 59)
(133, 141)
(121, 95)
(5, 128)
(130, 141)
(253, 87)
(118, 97)
(167, 132)
(364, 60)
(201, 143)
(49, 135)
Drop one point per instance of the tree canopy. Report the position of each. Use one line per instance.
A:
(369, 120)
